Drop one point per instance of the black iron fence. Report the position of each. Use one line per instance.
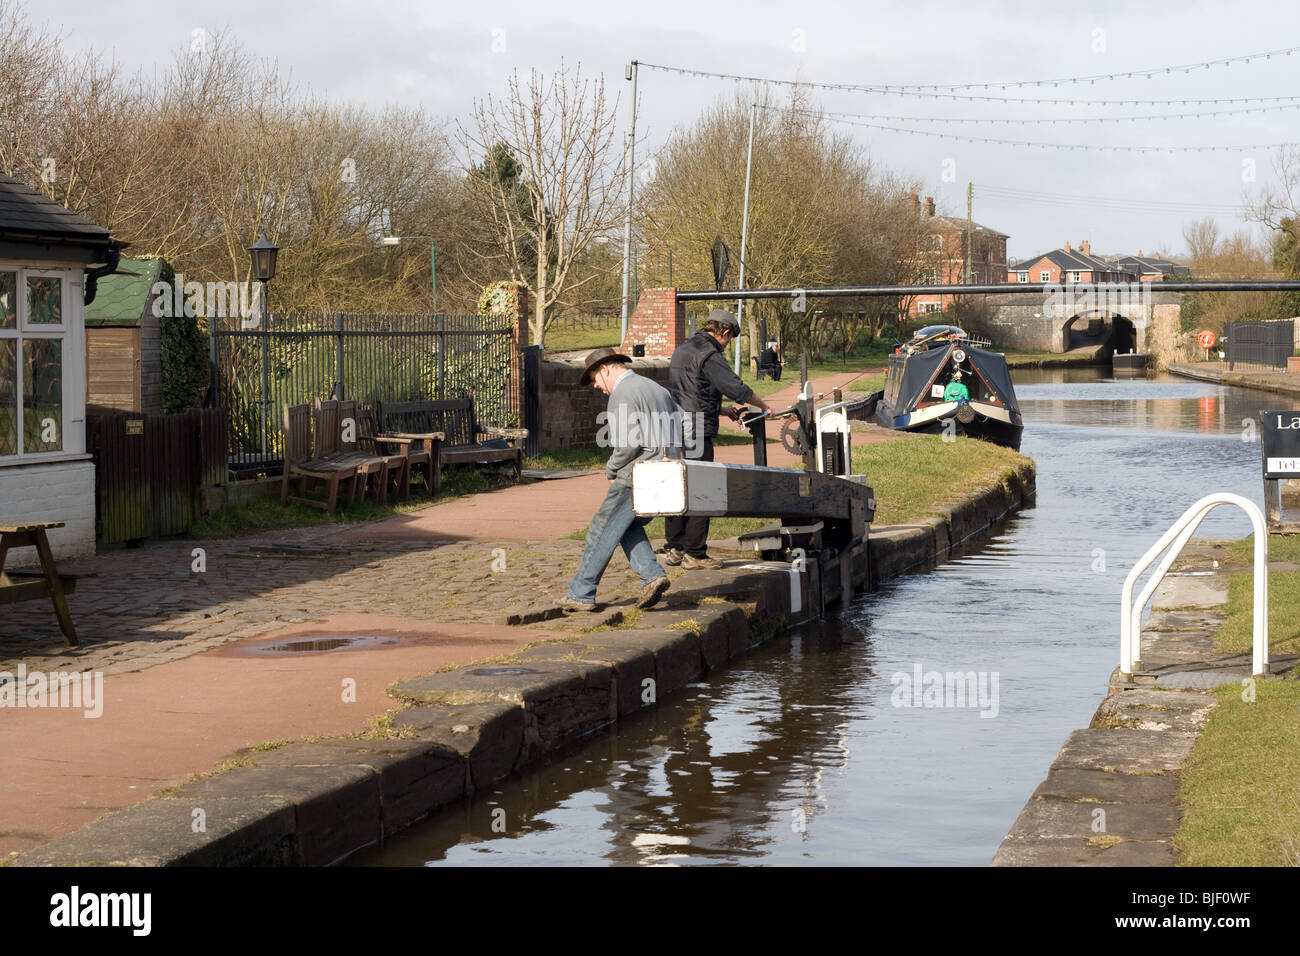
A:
(303, 356)
(1261, 344)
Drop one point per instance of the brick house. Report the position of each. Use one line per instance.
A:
(1151, 268)
(50, 262)
(1067, 265)
(941, 256)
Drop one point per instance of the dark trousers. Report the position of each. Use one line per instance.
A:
(690, 535)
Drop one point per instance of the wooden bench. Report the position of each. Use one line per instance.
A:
(319, 459)
(51, 584)
(462, 432)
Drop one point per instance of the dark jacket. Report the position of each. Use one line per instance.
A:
(699, 376)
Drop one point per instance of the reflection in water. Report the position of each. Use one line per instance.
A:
(797, 754)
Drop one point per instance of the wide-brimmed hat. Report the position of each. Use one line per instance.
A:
(597, 357)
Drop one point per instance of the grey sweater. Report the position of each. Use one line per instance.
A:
(641, 422)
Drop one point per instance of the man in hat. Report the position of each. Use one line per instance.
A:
(699, 377)
(640, 422)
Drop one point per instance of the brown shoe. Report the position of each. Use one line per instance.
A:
(706, 563)
(652, 592)
(573, 604)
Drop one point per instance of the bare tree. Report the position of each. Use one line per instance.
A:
(561, 133)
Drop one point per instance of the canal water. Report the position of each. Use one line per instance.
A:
(818, 749)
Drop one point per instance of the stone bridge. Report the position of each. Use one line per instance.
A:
(1126, 317)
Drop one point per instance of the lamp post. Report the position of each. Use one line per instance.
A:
(263, 254)
(433, 261)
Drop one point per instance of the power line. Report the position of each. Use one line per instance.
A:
(1028, 144)
(1010, 192)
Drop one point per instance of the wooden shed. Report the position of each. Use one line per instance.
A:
(124, 342)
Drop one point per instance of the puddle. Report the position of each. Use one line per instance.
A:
(319, 644)
(502, 671)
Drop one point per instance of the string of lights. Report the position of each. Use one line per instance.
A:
(1043, 121)
(964, 97)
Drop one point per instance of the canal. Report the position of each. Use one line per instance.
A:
(818, 750)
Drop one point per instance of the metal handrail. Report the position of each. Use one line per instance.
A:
(1130, 627)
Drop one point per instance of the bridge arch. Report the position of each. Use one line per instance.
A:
(1097, 328)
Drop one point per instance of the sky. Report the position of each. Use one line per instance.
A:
(443, 56)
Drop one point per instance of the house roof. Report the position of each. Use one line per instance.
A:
(959, 225)
(1072, 261)
(35, 228)
(1153, 264)
(24, 211)
(122, 299)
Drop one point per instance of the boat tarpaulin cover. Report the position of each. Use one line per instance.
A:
(917, 373)
(993, 366)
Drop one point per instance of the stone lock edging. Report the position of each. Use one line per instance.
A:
(315, 803)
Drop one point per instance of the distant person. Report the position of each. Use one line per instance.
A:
(632, 398)
(770, 362)
(699, 377)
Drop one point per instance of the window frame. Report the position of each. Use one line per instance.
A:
(70, 336)
(1045, 276)
(1022, 276)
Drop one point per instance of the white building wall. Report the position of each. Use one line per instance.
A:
(51, 491)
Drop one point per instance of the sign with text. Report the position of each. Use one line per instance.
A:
(1280, 444)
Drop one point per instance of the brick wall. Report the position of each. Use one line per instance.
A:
(56, 491)
(659, 324)
(569, 410)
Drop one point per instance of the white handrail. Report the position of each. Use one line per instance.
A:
(1130, 625)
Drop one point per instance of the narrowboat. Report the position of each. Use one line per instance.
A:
(939, 377)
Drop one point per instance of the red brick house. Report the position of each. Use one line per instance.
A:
(941, 256)
(1067, 265)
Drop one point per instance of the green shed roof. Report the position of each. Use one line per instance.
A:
(122, 299)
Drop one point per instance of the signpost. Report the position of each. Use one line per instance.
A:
(1280, 450)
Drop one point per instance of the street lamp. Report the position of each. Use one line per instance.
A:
(263, 254)
(433, 261)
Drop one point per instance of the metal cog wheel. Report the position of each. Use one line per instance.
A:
(792, 438)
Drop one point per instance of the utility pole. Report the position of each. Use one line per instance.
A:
(969, 194)
(744, 230)
(630, 74)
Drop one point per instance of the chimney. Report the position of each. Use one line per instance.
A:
(1067, 245)
(929, 207)
(916, 206)
(1085, 247)
(1139, 253)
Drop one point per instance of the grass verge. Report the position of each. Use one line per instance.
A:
(1240, 785)
(1236, 633)
(919, 475)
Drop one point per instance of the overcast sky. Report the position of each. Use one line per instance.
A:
(443, 55)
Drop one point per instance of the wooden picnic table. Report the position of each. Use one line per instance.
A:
(51, 584)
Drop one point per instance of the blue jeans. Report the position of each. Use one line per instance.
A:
(615, 523)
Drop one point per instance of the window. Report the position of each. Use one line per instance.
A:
(1022, 276)
(37, 377)
(929, 307)
(1044, 276)
(1076, 276)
